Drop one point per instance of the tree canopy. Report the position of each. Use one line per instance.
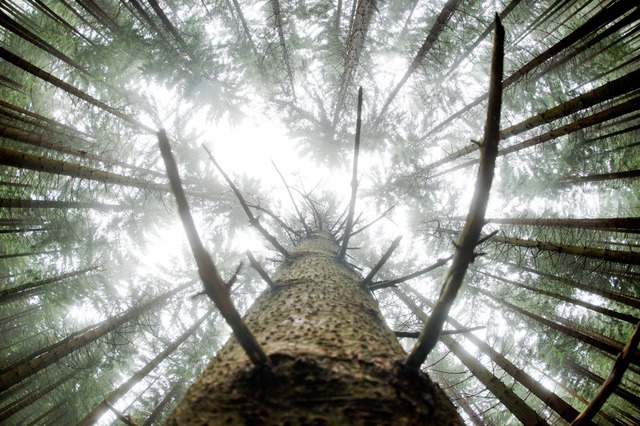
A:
(100, 296)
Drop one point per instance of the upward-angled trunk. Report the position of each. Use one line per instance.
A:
(31, 366)
(602, 18)
(438, 26)
(354, 47)
(277, 17)
(564, 410)
(332, 358)
(516, 405)
(103, 406)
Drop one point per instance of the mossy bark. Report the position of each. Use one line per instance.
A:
(333, 358)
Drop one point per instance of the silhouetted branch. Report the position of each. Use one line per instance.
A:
(304, 224)
(214, 286)
(381, 262)
(371, 223)
(263, 274)
(416, 334)
(354, 182)
(611, 382)
(464, 253)
(252, 219)
(389, 283)
(284, 225)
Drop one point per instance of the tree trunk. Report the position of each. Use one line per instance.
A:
(28, 399)
(604, 17)
(612, 224)
(461, 400)
(161, 406)
(333, 360)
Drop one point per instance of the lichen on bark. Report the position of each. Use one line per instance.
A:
(333, 358)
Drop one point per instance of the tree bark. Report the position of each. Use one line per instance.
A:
(333, 359)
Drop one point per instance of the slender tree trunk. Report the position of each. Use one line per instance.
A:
(604, 311)
(611, 13)
(519, 408)
(14, 293)
(332, 358)
(277, 17)
(438, 26)
(354, 47)
(565, 410)
(615, 256)
(627, 225)
(29, 253)
(461, 400)
(578, 336)
(157, 411)
(16, 203)
(29, 399)
(38, 363)
(43, 75)
(611, 90)
(618, 390)
(611, 295)
(102, 407)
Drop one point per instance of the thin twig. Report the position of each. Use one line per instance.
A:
(263, 274)
(611, 382)
(354, 182)
(300, 217)
(464, 253)
(367, 280)
(252, 219)
(214, 286)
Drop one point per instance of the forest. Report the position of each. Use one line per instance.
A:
(103, 315)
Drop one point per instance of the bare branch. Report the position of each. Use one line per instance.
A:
(354, 182)
(252, 219)
(214, 286)
(371, 223)
(611, 382)
(464, 253)
(367, 280)
(263, 274)
(416, 334)
(126, 419)
(390, 283)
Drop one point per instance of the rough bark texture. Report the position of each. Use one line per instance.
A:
(333, 358)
